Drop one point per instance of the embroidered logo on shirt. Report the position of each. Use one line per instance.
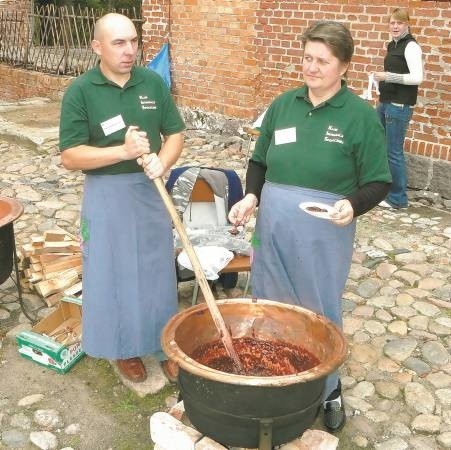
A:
(333, 135)
(146, 103)
(255, 240)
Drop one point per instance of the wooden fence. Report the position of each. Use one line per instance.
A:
(54, 40)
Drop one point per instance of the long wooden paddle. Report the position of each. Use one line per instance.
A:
(199, 273)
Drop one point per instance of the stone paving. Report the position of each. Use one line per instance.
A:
(397, 302)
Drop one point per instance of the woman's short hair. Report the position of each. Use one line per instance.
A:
(333, 34)
(400, 14)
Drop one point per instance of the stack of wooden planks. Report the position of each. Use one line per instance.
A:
(52, 265)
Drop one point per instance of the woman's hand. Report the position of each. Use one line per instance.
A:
(152, 165)
(241, 212)
(343, 213)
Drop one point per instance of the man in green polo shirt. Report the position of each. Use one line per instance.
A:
(120, 126)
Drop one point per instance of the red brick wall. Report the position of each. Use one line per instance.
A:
(212, 50)
(233, 57)
(18, 84)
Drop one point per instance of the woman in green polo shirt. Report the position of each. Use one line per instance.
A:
(318, 143)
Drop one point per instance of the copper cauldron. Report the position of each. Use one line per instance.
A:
(251, 411)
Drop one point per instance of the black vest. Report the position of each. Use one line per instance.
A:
(395, 62)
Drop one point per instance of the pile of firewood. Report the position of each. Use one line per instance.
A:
(52, 265)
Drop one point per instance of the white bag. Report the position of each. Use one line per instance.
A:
(212, 259)
(372, 83)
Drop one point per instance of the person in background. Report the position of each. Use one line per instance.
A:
(112, 116)
(318, 143)
(398, 86)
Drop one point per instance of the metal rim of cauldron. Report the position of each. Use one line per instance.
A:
(174, 352)
(15, 211)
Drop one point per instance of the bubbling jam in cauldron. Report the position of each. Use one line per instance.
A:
(258, 357)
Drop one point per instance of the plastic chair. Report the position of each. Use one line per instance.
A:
(204, 208)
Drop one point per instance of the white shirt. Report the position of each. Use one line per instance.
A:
(413, 55)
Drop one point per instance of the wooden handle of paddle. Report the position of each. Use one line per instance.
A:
(199, 273)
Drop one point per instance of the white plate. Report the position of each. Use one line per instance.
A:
(309, 208)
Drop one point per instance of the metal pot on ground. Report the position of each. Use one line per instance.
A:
(10, 210)
(250, 411)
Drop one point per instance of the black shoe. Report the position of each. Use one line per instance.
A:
(334, 411)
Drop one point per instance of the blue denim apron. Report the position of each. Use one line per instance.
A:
(129, 284)
(298, 258)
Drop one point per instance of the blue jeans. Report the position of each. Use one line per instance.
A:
(395, 120)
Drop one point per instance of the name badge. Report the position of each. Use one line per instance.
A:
(112, 125)
(285, 136)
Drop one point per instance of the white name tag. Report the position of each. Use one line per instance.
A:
(285, 136)
(112, 125)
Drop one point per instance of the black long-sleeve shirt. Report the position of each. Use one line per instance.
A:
(364, 199)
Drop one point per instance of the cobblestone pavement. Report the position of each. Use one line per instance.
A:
(397, 305)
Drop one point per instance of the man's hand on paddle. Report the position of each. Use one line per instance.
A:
(135, 143)
(137, 146)
(153, 167)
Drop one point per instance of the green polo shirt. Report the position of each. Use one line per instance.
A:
(337, 146)
(97, 112)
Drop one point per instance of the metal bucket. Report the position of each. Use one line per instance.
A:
(246, 411)
(10, 210)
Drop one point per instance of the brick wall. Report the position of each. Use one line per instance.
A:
(212, 50)
(232, 57)
(18, 84)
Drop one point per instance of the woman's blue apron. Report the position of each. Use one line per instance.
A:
(129, 283)
(298, 258)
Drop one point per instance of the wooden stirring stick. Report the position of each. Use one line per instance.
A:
(200, 276)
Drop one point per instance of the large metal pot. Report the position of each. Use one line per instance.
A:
(250, 411)
(10, 210)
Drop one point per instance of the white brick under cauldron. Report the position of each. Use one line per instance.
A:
(169, 433)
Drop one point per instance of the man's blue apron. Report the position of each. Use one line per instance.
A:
(129, 285)
(301, 259)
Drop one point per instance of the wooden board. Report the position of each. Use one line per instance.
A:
(54, 235)
(63, 281)
(62, 263)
